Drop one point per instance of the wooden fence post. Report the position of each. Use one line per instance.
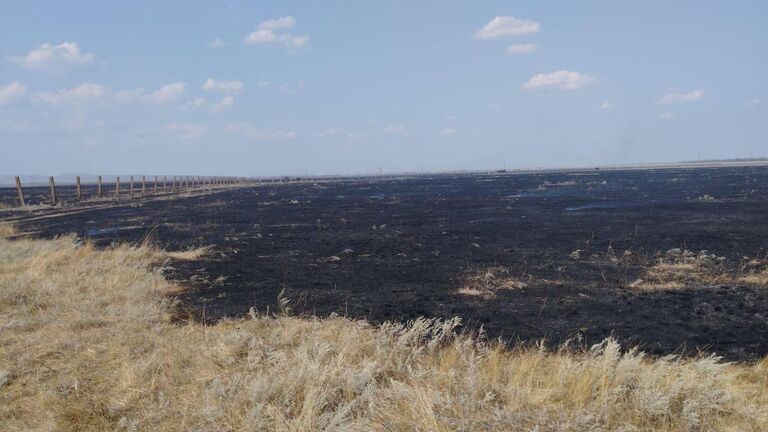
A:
(155, 189)
(173, 185)
(130, 191)
(117, 187)
(143, 185)
(98, 191)
(165, 188)
(20, 191)
(53, 190)
(79, 190)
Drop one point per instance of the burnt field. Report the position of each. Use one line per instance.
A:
(526, 256)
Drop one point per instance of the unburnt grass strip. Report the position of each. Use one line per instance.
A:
(88, 342)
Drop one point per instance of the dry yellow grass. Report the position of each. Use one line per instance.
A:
(6, 229)
(486, 282)
(87, 343)
(682, 268)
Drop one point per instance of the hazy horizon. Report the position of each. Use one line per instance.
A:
(295, 88)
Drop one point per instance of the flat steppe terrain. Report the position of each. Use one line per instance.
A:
(669, 260)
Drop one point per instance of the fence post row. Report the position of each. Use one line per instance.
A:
(178, 184)
(20, 191)
(53, 190)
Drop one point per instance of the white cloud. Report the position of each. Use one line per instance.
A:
(168, 93)
(233, 87)
(605, 106)
(216, 43)
(81, 94)
(330, 132)
(507, 26)
(448, 132)
(11, 92)
(197, 103)
(223, 104)
(278, 24)
(52, 57)
(261, 37)
(562, 79)
(262, 84)
(673, 98)
(125, 96)
(753, 102)
(667, 116)
(268, 32)
(188, 131)
(452, 118)
(394, 129)
(249, 131)
(522, 49)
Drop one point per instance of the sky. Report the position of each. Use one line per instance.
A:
(263, 88)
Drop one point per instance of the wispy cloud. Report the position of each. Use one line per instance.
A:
(222, 104)
(675, 98)
(216, 43)
(667, 116)
(507, 26)
(753, 102)
(12, 92)
(248, 131)
(518, 49)
(269, 32)
(394, 129)
(54, 57)
(168, 93)
(448, 132)
(330, 132)
(79, 95)
(233, 87)
(605, 106)
(562, 79)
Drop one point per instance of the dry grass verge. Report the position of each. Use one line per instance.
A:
(87, 343)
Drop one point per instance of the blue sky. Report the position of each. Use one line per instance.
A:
(306, 87)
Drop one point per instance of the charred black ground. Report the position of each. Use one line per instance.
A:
(399, 249)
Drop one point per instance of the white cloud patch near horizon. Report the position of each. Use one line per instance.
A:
(12, 92)
(330, 132)
(223, 104)
(53, 57)
(248, 131)
(675, 98)
(168, 93)
(233, 87)
(81, 94)
(518, 49)
(753, 102)
(448, 132)
(507, 26)
(562, 80)
(269, 32)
